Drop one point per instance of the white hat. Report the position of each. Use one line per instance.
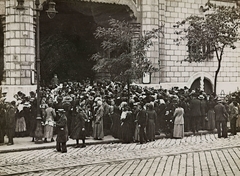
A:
(61, 110)
(201, 97)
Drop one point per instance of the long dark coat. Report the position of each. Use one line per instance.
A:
(2, 122)
(10, 120)
(32, 117)
(126, 127)
(142, 118)
(62, 129)
(152, 117)
(195, 108)
(220, 112)
(78, 123)
(116, 123)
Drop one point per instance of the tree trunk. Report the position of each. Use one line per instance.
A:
(216, 76)
(128, 85)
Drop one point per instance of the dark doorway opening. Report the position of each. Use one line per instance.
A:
(196, 84)
(208, 88)
(67, 41)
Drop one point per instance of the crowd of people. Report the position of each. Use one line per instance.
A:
(135, 114)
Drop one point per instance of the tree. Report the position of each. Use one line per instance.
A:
(123, 54)
(211, 33)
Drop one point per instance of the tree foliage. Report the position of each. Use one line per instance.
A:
(123, 54)
(211, 33)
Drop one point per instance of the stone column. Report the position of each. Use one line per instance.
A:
(162, 52)
(150, 20)
(19, 49)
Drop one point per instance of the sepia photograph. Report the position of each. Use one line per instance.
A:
(120, 87)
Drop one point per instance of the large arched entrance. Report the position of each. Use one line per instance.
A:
(196, 84)
(207, 85)
(67, 41)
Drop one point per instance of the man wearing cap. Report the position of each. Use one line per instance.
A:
(195, 112)
(221, 119)
(62, 132)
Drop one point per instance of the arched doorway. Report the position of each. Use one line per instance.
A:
(208, 88)
(196, 84)
(68, 42)
(207, 85)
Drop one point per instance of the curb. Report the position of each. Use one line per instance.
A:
(187, 134)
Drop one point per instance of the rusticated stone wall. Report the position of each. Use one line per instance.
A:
(19, 48)
(173, 72)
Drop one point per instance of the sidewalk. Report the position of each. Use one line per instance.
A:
(24, 143)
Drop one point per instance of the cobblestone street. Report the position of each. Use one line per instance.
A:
(193, 155)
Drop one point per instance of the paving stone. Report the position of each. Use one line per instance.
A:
(193, 155)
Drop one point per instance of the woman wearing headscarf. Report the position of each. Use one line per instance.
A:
(178, 130)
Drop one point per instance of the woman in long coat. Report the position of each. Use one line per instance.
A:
(78, 126)
(116, 124)
(211, 123)
(178, 130)
(50, 114)
(98, 123)
(152, 117)
(126, 125)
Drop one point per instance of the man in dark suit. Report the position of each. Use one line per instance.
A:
(195, 113)
(142, 123)
(62, 132)
(221, 119)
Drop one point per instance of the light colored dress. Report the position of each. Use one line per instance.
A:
(49, 122)
(98, 124)
(178, 131)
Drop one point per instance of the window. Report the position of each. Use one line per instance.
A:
(205, 51)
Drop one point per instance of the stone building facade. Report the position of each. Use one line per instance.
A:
(168, 54)
(19, 46)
